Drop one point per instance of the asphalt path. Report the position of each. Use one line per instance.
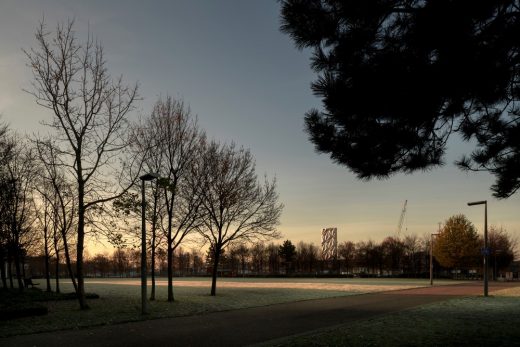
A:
(252, 325)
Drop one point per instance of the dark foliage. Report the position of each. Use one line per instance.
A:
(25, 310)
(14, 304)
(398, 77)
(287, 251)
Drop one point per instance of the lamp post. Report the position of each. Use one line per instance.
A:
(144, 303)
(431, 257)
(486, 249)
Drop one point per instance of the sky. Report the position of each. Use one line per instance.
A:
(247, 83)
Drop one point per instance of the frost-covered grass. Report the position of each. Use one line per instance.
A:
(329, 284)
(120, 299)
(354, 281)
(508, 292)
(472, 321)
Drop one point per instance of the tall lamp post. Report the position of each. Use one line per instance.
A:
(144, 302)
(431, 258)
(486, 249)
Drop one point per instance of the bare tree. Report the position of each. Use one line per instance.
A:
(6, 146)
(243, 254)
(170, 144)
(367, 254)
(503, 248)
(412, 249)
(239, 255)
(89, 117)
(238, 207)
(273, 258)
(258, 257)
(306, 257)
(58, 194)
(19, 173)
(180, 146)
(43, 210)
(347, 252)
(393, 253)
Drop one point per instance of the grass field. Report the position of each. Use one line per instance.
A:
(120, 299)
(472, 321)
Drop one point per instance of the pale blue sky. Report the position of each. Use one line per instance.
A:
(248, 83)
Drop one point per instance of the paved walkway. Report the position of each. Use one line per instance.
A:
(253, 325)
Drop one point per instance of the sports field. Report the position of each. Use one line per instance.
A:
(348, 286)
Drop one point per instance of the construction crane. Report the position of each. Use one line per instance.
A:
(401, 219)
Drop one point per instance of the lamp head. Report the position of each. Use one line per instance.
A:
(477, 203)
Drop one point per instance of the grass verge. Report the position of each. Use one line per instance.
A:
(121, 303)
(472, 321)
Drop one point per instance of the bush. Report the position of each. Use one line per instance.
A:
(14, 304)
(27, 310)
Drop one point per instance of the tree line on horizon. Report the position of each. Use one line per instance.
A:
(456, 248)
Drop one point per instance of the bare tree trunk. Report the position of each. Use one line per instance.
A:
(47, 265)
(22, 263)
(69, 265)
(170, 267)
(10, 268)
(3, 263)
(56, 242)
(18, 272)
(79, 272)
(216, 259)
(16, 253)
(81, 239)
(57, 270)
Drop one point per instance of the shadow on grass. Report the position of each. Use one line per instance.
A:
(15, 304)
(470, 321)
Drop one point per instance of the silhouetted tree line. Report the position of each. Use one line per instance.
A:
(124, 263)
(392, 257)
(407, 256)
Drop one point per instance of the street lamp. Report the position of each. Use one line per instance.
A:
(486, 249)
(144, 303)
(431, 258)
